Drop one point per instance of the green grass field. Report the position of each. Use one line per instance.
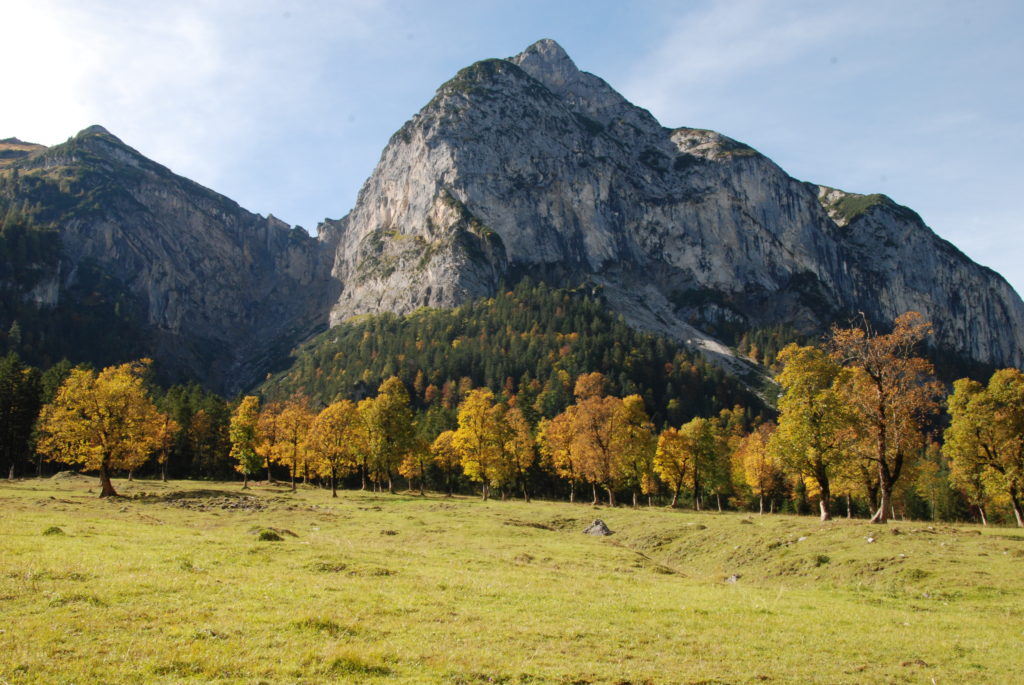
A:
(172, 584)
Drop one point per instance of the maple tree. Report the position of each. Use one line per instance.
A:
(289, 423)
(555, 438)
(475, 440)
(243, 436)
(985, 438)
(816, 425)
(335, 438)
(390, 429)
(761, 470)
(446, 456)
(893, 393)
(102, 421)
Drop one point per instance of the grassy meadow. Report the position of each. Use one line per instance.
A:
(173, 583)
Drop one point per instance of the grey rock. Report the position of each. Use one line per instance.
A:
(531, 166)
(598, 527)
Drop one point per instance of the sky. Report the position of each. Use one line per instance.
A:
(285, 106)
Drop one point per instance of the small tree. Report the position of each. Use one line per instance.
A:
(446, 457)
(760, 469)
(242, 433)
(101, 421)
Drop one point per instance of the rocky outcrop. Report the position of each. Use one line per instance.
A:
(528, 165)
(221, 293)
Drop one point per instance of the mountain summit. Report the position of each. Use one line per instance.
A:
(528, 165)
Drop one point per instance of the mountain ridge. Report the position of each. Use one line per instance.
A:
(518, 166)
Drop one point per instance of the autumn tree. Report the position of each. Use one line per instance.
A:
(816, 425)
(102, 421)
(985, 438)
(673, 461)
(684, 454)
(291, 422)
(476, 439)
(634, 442)
(244, 439)
(335, 439)
(166, 434)
(556, 439)
(415, 463)
(761, 470)
(390, 430)
(893, 393)
(446, 457)
(516, 447)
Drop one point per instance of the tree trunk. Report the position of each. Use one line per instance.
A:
(771, 506)
(362, 477)
(485, 492)
(885, 489)
(593, 486)
(245, 480)
(334, 483)
(675, 497)
(718, 500)
(849, 510)
(611, 495)
(130, 472)
(39, 466)
(106, 487)
(572, 491)
(760, 504)
(636, 500)
(270, 476)
(391, 485)
(10, 473)
(293, 476)
(981, 510)
(1015, 500)
(526, 493)
(163, 471)
(696, 491)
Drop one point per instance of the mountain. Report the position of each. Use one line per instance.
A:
(528, 165)
(108, 256)
(519, 166)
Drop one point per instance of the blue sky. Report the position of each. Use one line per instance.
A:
(286, 106)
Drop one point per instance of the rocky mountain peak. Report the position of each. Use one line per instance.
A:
(529, 165)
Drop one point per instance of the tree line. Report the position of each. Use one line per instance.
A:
(859, 429)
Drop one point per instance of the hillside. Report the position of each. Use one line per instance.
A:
(378, 588)
(533, 341)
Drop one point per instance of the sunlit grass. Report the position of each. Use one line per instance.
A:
(399, 588)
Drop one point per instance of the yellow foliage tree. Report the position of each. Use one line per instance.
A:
(556, 439)
(476, 439)
(985, 439)
(816, 425)
(760, 469)
(446, 457)
(244, 439)
(335, 439)
(101, 421)
(288, 424)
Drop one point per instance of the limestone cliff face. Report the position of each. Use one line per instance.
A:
(220, 292)
(530, 166)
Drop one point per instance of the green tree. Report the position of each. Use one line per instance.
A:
(985, 438)
(20, 402)
(242, 433)
(390, 428)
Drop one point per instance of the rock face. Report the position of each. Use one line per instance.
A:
(529, 166)
(216, 293)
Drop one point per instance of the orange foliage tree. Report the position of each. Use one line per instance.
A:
(101, 421)
(893, 393)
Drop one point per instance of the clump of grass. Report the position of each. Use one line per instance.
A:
(269, 535)
(54, 530)
(322, 625)
(822, 559)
